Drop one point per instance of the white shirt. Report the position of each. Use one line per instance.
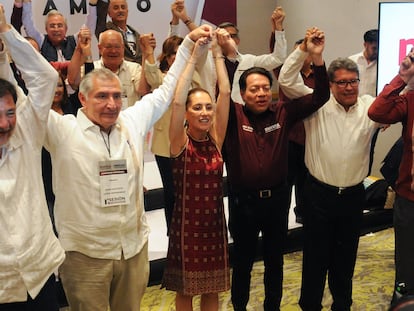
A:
(76, 147)
(267, 61)
(29, 250)
(246, 61)
(337, 141)
(130, 74)
(367, 74)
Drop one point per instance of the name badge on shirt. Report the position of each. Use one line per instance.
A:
(247, 128)
(272, 128)
(114, 182)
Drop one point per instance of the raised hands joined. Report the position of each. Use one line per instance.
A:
(220, 38)
(314, 44)
(200, 48)
(204, 31)
(178, 10)
(315, 40)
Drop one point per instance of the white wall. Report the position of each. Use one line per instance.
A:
(344, 23)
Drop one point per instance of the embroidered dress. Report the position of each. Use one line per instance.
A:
(197, 260)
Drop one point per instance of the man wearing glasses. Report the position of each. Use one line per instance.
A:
(338, 139)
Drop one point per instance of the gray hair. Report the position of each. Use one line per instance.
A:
(53, 13)
(102, 74)
(341, 63)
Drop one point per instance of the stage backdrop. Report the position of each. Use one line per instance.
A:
(144, 15)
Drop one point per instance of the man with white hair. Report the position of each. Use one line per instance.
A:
(55, 45)
(97, 160)
(111, 49)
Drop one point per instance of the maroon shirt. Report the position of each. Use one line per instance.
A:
(256, 146)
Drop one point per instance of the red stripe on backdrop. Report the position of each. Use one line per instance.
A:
(218, 11)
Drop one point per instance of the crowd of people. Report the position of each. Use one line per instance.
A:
(73, 133)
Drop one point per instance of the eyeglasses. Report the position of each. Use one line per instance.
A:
(343, 83)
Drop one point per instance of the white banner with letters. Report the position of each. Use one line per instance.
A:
(144, 15)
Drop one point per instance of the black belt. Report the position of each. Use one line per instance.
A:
(260, 194)
(337, 190)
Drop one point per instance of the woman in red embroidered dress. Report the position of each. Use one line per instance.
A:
(197, 260)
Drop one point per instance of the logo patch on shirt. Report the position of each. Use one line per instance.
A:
(247, 128)
(272, 128)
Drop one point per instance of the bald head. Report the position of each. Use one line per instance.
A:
(111, 48)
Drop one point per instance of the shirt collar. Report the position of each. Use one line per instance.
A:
(337, 105)
(121, 68)
(86, 124)
(15, 140)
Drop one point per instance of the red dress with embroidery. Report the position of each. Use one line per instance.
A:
(197, 260)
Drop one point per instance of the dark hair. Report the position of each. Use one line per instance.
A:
(371, 36)
(299, 41)
(228, 24)
(169, 47)
(341, 63)
(252, 70)
(65, 97)
(6, 88)
(192, 92)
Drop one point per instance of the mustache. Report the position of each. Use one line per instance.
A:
(2, 130)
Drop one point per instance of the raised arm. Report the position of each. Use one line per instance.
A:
(391, 106)
(290, 79)
(91, 17)
(307, 104)
(179, 12)
(6, 73)
(315, 44)
(40, 78)
(153, 75)
(146, 41)
(151, 107)
(81, 55)
(279, 52)
(177, 134)
(223, 99)
(28, 23)
(101, 14)
(16, 16)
